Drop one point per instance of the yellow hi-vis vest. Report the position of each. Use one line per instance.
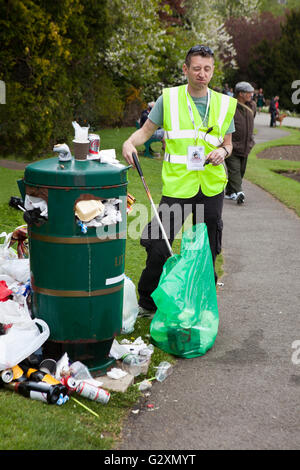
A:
(180, 133)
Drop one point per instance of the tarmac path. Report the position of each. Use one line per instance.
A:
(244, 393)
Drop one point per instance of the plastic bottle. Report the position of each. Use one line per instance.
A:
(37, 390)
(164, 369)
(35, 375)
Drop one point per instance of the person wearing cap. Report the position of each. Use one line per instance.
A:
(159, 133)
(242, 141)
(195, 118)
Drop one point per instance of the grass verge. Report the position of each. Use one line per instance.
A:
(263, 172)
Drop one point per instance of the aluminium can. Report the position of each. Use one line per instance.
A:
(94, 146)
(93, 393)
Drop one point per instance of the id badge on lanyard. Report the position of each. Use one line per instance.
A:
(195, 158)
(196, 153)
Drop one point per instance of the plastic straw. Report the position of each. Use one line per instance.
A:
(86, 407)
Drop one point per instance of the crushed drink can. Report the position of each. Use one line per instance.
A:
(7, 376)
(69, 382)
(94, 144)
(92, 392)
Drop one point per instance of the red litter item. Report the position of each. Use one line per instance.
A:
(5, 292)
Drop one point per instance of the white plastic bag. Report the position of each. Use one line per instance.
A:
(130, 306)
(18, 269)
(5, 252)
(32, 202)
(23, 338)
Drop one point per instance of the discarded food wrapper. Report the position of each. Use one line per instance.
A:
(88, 210)
(108, 156)
(119, 350)
(62, 367)
(116, 373)
(97, 213)
(32, 202)
(130, 201)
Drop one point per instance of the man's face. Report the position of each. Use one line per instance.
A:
(200, 71)
(247, 96)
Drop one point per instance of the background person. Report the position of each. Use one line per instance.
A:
(260, 100)
(273, 110)
(193, 117)
(159, 133)
(242, 141)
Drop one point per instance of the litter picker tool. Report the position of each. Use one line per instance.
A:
(139, 169)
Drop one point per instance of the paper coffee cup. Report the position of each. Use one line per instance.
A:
(81, 150)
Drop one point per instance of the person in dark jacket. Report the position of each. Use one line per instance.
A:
(242, 141)
(273, 110)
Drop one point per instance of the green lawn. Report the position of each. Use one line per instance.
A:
(32, 425)
(263, 172)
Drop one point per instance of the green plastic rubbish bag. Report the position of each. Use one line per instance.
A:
(186, 321)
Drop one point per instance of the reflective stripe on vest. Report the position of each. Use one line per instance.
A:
(180, 133)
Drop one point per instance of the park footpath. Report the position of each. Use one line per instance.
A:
(244, 393)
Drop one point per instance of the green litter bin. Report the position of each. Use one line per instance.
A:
(77, 278)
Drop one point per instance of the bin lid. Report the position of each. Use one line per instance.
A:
(74, 173)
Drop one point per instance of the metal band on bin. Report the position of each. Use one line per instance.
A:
(75, 240)
(77, 293)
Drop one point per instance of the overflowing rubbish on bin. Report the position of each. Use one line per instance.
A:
(62, 280)
(96, 213)
(23, 368)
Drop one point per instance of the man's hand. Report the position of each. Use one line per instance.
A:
(139, 137)
(127, 151)
(217, 156)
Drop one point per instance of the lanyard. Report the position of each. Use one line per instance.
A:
(192, 115)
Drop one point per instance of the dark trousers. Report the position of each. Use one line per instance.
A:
(236, 167)
(204, 209)
(273, 119)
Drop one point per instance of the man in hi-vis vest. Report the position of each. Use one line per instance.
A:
(198, 123)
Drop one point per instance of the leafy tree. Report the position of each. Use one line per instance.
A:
(246, 32)
(51, 56)
(277, 64)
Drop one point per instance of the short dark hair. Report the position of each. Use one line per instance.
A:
(200, 49)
